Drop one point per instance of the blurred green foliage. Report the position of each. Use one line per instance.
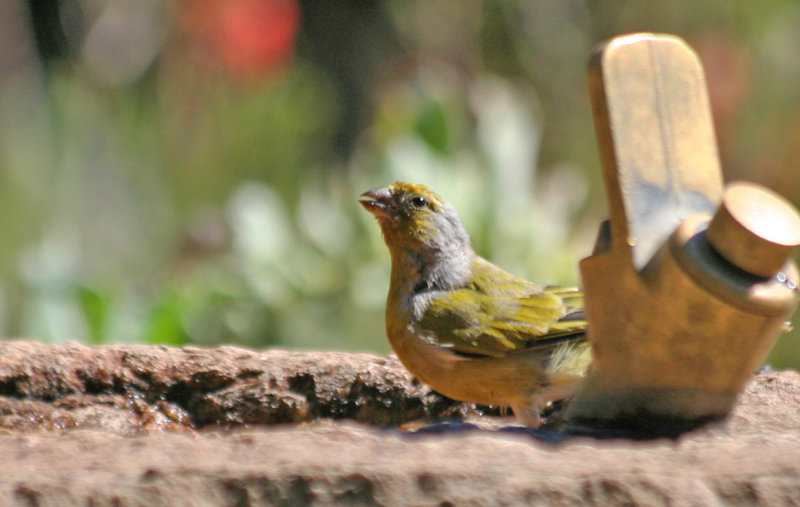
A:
(156, 192)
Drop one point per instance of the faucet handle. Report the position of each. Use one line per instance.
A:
(754, 229)
(656, 139)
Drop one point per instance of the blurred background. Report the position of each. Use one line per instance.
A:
(187, 171)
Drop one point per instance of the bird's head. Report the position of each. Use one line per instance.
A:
(413, 217)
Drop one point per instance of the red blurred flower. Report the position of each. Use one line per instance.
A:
(248, 37)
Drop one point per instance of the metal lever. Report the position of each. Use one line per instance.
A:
(689, 284)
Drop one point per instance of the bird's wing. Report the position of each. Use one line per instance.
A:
(472, 321)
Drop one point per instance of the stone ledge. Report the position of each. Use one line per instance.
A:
(130, 388)
(347, 463)
(754, 458)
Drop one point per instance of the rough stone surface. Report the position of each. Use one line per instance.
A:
(132, 388)
(125, 403)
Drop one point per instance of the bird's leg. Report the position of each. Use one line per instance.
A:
(561, 387)
(529, 416)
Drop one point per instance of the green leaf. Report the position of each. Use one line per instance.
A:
(96, 310)
(165, 325)
(431, 126)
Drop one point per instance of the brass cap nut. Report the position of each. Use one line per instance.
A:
(754, 229)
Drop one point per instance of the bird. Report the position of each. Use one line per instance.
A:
(465, 327)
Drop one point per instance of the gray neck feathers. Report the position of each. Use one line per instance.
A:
(443, 262)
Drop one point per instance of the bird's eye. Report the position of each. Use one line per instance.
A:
(419, 201)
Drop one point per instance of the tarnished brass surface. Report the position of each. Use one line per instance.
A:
(683, 300)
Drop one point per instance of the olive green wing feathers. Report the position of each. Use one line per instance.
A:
(504, 315)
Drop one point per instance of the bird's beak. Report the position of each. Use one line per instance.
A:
(380, 202)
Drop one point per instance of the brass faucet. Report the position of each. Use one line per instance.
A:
(691, 282)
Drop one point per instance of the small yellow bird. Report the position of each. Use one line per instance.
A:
(465, 327)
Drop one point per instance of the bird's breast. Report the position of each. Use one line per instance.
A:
(504, 381)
